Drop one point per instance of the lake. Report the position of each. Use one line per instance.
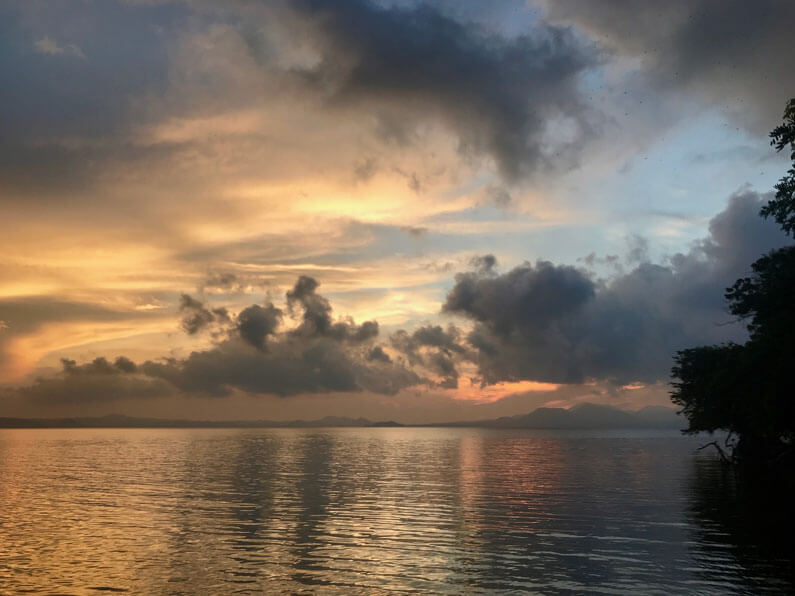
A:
(380, 511)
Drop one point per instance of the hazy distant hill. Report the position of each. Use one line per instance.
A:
(586, 416)
(660, 415)
(581, 416)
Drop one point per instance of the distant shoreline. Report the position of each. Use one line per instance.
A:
(581, 417)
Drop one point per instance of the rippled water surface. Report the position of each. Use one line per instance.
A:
(383, 510)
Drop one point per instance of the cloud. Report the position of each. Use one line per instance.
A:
(68, 99)
(96, 381)
(223, 280)
(433, 336)
(226, 281)
(251, 355)
(537, 322)
(354, 141)
(23, 315)
(198, 317)
(444, 366)
(434, 348)
(526, 296)
(355, 70)
(737, 54)
(289, 367)
(127, 59)
(316, 319)
(556, 323)
(484, 264)
(47, 45)
(377, 353)
(255, 323)
(407, 64)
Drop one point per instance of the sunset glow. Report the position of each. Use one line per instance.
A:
(477, 208)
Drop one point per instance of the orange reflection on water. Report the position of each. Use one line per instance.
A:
(353, 511)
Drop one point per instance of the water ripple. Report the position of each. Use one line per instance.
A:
(368, 511)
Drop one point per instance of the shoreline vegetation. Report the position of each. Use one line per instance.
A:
(745, 389)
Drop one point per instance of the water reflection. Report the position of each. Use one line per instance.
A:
(743, 526)
(373, 511)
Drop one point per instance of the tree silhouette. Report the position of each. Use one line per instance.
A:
(748, 389)
(782, 208)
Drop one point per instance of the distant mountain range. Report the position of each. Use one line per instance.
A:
(581, 416)
(585, 416)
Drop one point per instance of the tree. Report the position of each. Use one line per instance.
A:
(748, 389)
(782, 207)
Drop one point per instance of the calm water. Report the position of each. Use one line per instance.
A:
(369, 511)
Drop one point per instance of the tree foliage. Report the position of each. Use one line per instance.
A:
(748, 389)
(782, 207)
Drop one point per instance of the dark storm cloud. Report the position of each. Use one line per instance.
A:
(524, 311)
(79, 81)
(444, 366)
(433, 348)
(316, 319)
(526, 296)
(541, 322)
(321, 355)
(738, 53)
(255, 323)
(99, 380)
(432, 336)
(377, 353)
(71, 76)
(552, 323)
(197, 316)
(118, 52)
(76, 79)
(484, 263)
(289, 367)
(497, 94)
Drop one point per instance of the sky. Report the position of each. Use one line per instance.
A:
(399, 210)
